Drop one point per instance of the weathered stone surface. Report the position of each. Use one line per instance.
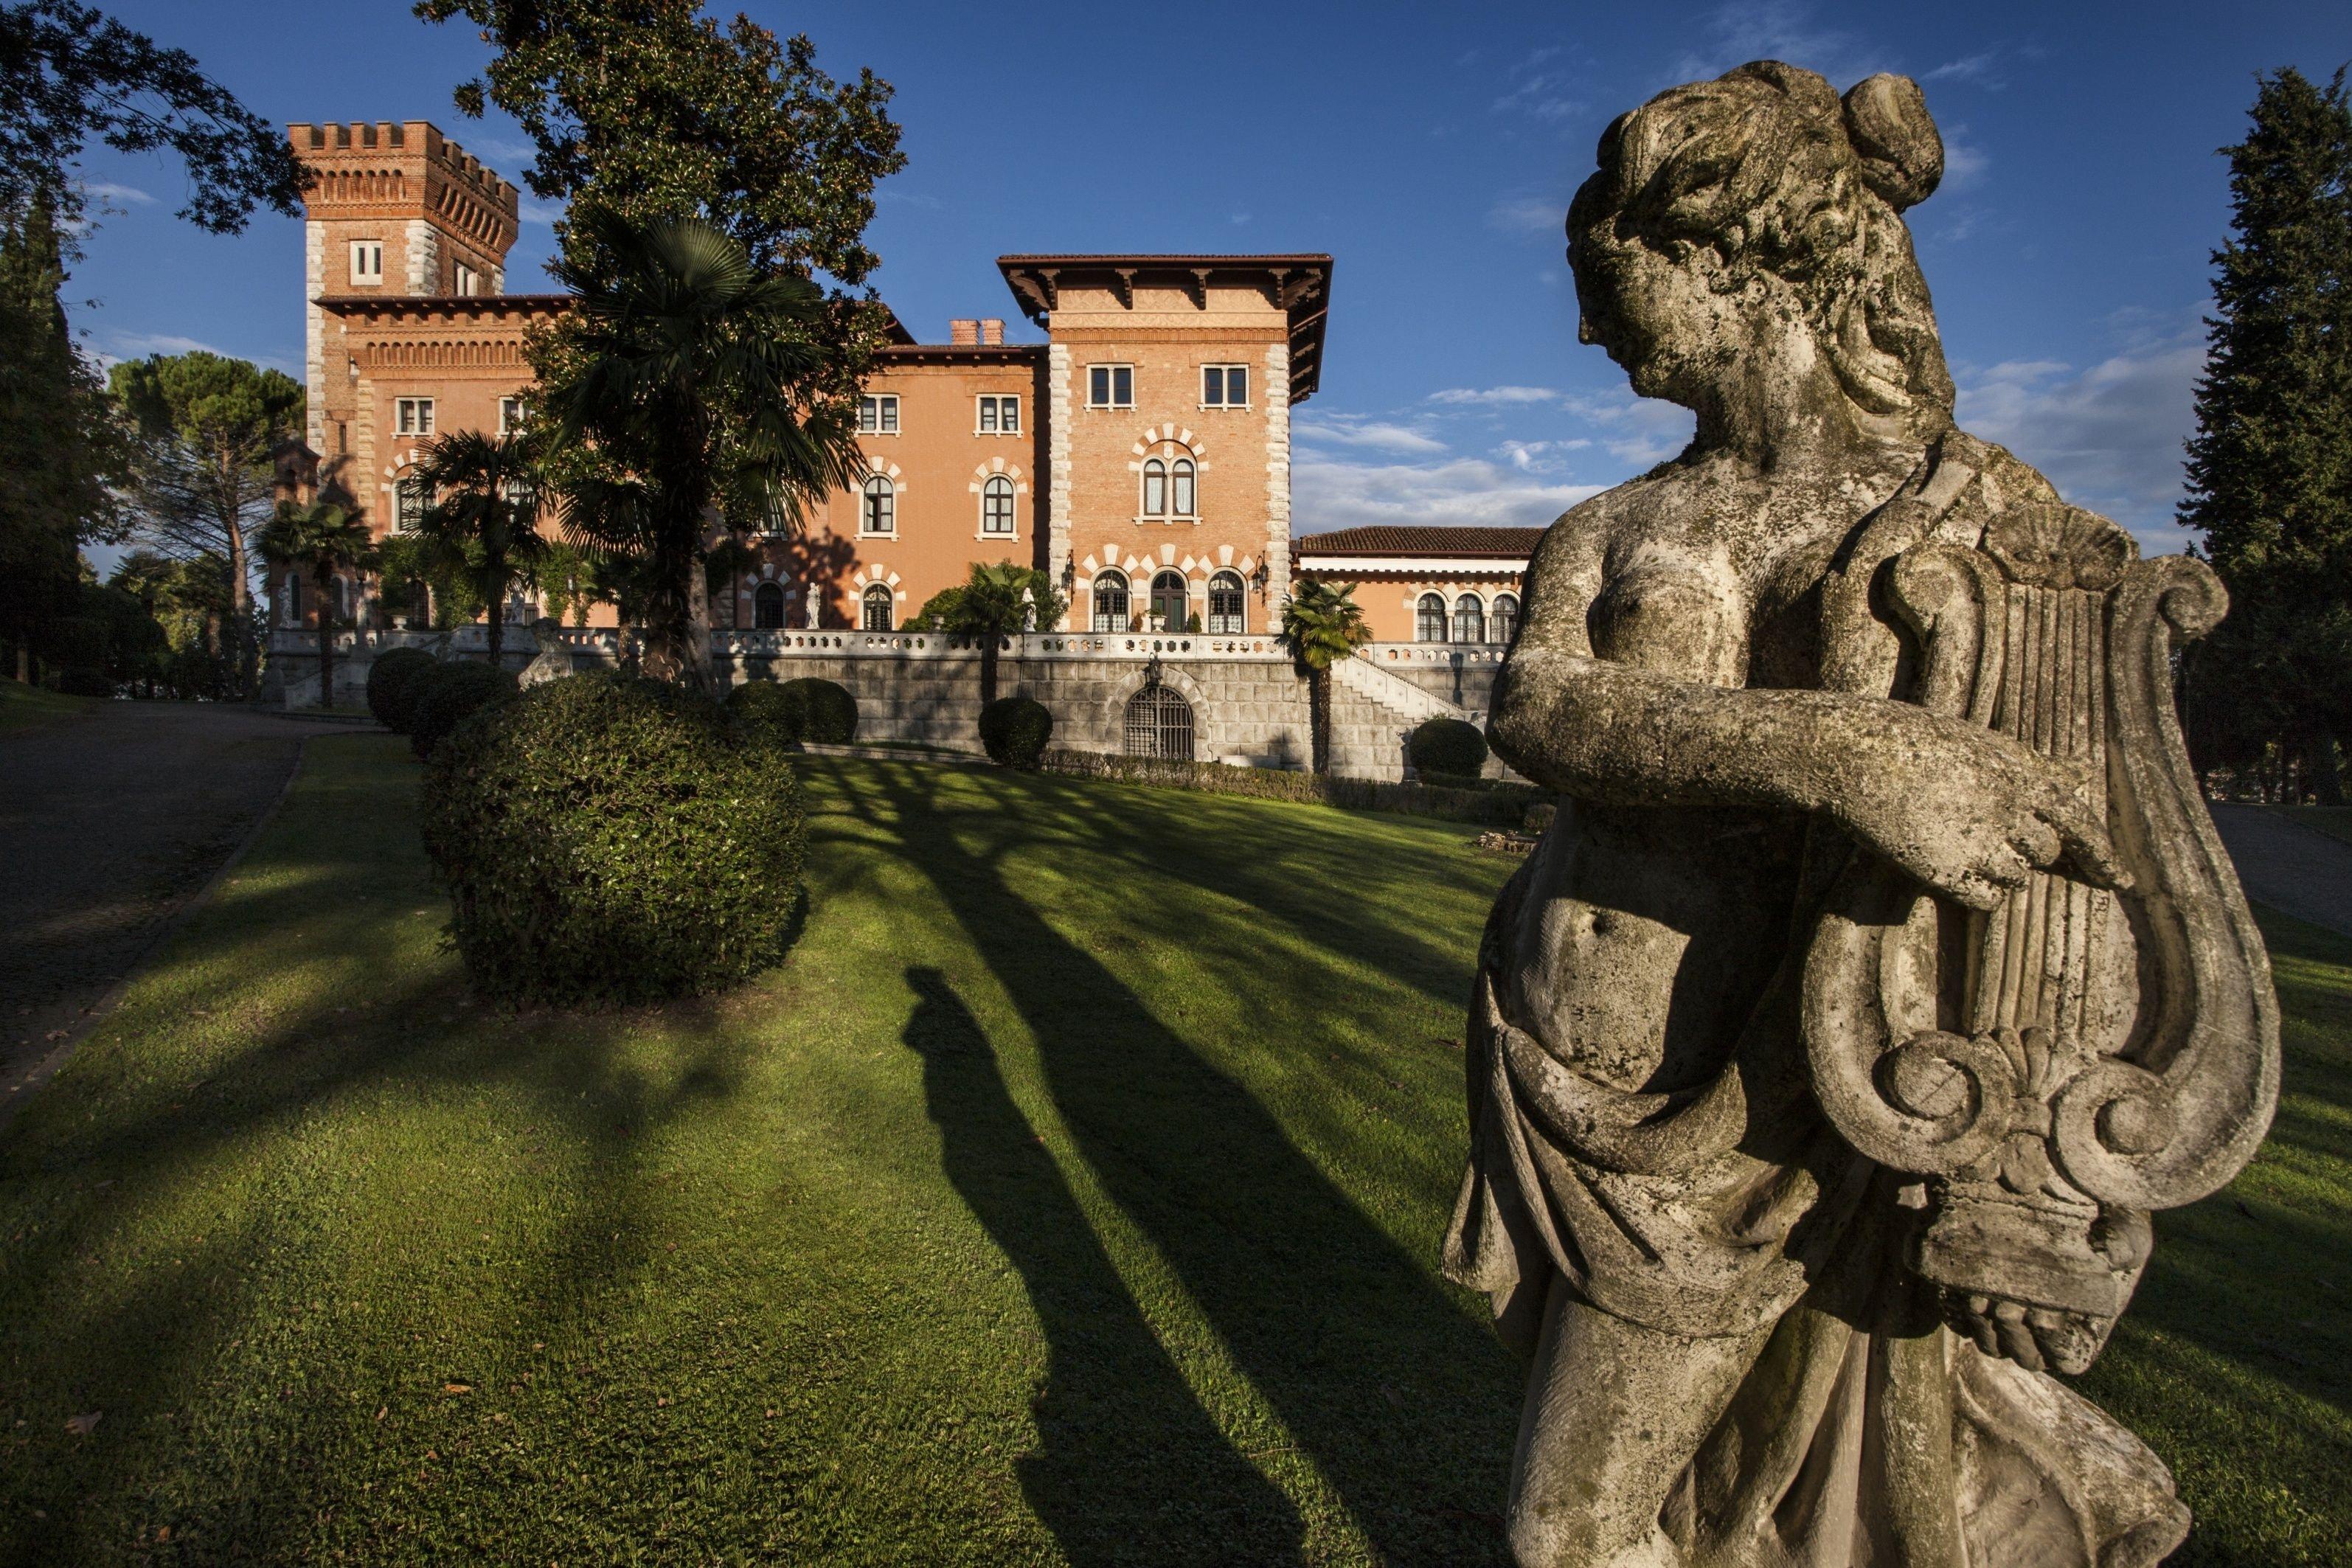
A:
(1830, 1054)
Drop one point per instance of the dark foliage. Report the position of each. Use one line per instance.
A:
(1015, 730)
(1447, 747)
(448, 695)
(829, 711)
(767, 711)
(393, 684)
(606, 838)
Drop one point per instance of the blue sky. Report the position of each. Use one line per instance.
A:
(1432, 151)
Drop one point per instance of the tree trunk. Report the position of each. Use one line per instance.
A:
(326, 640)
(498, 625)
(1319, 718)
(987, 668)
(2319, 770)
(240, 610)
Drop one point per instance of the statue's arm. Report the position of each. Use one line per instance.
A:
(1965, 811)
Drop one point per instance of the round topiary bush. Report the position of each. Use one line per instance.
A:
(1015, 730)
(831, 712)
(449, 694)
(611, 839)
(1448, 746)
(392, 686)
(769, 711)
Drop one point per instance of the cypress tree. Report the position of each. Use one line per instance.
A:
(2270, 468)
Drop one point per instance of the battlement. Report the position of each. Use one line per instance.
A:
(393, 169)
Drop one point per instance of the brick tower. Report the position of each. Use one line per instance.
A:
(397, 210)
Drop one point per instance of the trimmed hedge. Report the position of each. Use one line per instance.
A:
(448, 695)
(830, 711)
(606, 838)
(765, 709)
(1448, 747)
(1497, 804)
(392, 684)
(1013, 732)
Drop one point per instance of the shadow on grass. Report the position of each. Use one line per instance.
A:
(1129, 1468)
(1392, 1390)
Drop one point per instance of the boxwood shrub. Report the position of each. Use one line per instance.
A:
(392, 686)
(611, 839)
(1447, 747)
(447, 694)
(829, 711)
(768, 711)
(1015, 729)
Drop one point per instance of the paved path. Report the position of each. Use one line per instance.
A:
(108, 823)
(2294, 868)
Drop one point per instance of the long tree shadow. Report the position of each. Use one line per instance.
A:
(1398, 1395)
(1129, 1468)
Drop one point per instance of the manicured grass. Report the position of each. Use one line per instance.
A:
(1071, 1193)
(24, 706)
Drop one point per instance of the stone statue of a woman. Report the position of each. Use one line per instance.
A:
(1830, 1052)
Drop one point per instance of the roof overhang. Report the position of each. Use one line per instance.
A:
(375, 307)
(1414, 565)
(1299, 285)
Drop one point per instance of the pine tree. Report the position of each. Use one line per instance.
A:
(2270, 468)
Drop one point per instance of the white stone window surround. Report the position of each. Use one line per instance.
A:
(1018, 486)
(1249, 382)
(1005, 402)
(1167, 444)
(890, 473)
(884, 407)
(1110, 380)
(413, 416)
(367, 263)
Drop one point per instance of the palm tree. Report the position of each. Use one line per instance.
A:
(484, 515)
(993, 602)
(322, 539)
(1321, 625)
(682, 397)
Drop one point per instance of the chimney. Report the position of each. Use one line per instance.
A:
(992, 330)
(964, 332)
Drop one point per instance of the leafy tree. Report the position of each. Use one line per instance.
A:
(485, 513)
(206, 426)
(992, 604)
(1320, 625)
(68, 73)
(680, 397)
(2270, 468)
(323, 540)
(189, 601)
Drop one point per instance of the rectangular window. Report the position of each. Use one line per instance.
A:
(510, 415)
(414, 416)
(878, 414)
(1110, 386)
(412, 500)
(1224, 386)
(469, 281)
(999, 416)
(367, 261)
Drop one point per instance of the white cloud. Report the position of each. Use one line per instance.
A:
(2109, 435)
(1539, 92)
(537, 212)
(1492, 395)
(890, 196)
(1639, 431)
(1780, 30)
(1466, 491)
(107, 191)
(1977, 68)
(1529, 215)
(115, 346)
(1351, 430)
(1530, 455)
(1964, 163)
(1240, 219)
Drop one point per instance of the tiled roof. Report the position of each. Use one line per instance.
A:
(1517, 544)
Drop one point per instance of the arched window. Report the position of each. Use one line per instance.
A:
(1111, 601)
(1168, 602)
(1159, 724)
(1502, 625)
(877, 609)
(996, 508)
(1469, 620)
(1429, 620)
(1155, 489)
(879, 511)
(1184, 488)
(1226, 603)
(767, 606)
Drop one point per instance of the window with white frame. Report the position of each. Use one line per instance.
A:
(878, 607)
(367, 261)
(511, 415)
(469, 282)
(1181, 488)
(413, 416)
(1225, 604)
(1110, 386)
(878, 414)
(1111, 601)
(1469, 620)
(1429, 619)
(1503, 620)
(1155, 488)
(1224, 386)
(878, 510)
(996, 508)
(1000, 414)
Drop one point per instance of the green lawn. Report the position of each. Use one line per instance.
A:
(1070, 1194)
(24, 706)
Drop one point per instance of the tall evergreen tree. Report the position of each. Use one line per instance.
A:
(2270, 468)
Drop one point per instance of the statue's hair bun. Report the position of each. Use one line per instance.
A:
(1902, 156)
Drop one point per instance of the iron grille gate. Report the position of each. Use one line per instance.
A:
(1159, 724)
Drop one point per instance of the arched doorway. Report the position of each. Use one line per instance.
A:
(1159, 724)
(1168, 602)
(767, 606)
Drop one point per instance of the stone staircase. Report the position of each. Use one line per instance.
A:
(1372, 712)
